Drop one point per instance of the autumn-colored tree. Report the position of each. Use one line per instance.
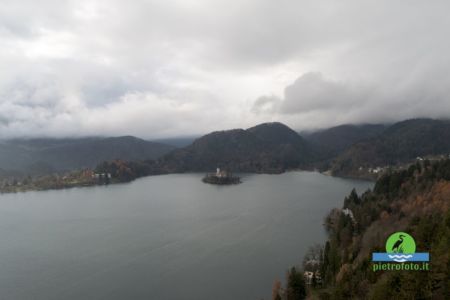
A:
(276, 290)
(415, 200)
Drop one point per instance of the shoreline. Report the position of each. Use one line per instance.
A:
(114, 181)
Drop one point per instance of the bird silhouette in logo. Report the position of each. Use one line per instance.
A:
(397, 247)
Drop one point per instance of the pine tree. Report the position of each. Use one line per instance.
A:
(296, 289)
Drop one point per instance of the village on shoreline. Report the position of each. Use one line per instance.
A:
(89, 177)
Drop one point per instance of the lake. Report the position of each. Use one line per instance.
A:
(163, 237)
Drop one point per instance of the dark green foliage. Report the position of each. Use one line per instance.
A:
(398, 144)
(123, 171)
(390, 184)
(325, 267)
(332, 141)
(352, 200)
(46, 156)
(266, 148)
(296, 289)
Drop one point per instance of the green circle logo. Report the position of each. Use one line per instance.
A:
(400, 242)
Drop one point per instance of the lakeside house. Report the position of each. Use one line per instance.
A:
(348, 212)
(101, 175)
(312, 277)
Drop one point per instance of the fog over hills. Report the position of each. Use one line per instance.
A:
(101, 92)
(265, 148)
(274, 147)
(329, 142)
(398, 143)
(46, 155)
(178, 142)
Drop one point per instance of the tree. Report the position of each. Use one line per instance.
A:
(414, 201)
(296, 289)
(325, 264)
(352, 199)
(276, 290)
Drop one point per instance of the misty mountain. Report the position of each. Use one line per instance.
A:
(265, 148)
(328, 143)
(398, 143)
(178, 142)
(268, 147)
(42, 156)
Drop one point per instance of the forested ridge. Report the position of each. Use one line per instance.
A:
(348, 151)
(398, 144)
(265, 148)
(416, 201)
(45, 156)
(363, 151)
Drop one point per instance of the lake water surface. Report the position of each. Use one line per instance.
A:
(163, 237)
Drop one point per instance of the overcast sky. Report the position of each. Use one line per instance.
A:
(171, 68)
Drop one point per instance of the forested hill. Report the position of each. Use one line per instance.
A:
(397, 144)
(275, 148)
(267, 148)
(416, 201)
(46, 155)
(327, 143)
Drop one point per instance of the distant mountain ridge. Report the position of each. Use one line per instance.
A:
(43, 155)
(178, 142)
(328, 143)
(265, 148)
(397, 144)
(275, 148)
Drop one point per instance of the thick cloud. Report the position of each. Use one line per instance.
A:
(311, 92)
(161, 68)
(313, 101)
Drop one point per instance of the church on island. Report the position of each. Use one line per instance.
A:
(221, 177)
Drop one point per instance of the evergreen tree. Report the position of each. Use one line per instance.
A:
(296, 289)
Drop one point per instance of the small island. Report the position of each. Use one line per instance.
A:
(221, 177)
